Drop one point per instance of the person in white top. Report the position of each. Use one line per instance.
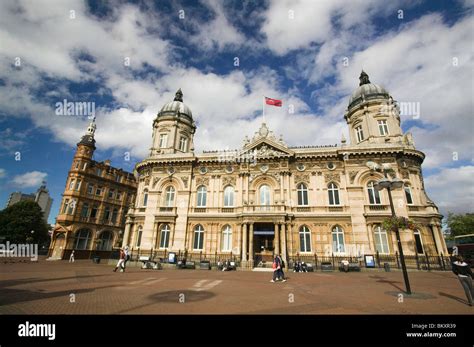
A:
(464, 273)
(71, 257)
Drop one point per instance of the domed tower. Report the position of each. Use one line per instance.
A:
(173, 128)
(372, 115)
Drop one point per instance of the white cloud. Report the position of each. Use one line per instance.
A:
(3, 173)
(452, 189)
(29, 179)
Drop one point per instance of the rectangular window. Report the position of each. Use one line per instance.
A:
(106, 214)
(183, 142)
(381, 242)
(98, 191)
(94, 211)
(78, 185)
(85, 210)
(163, 140)
(71, 184)
(360, 134)
(71, 206)
(114, 216)
(119, 195)
(198, 239)
(99, 172)
(84, 166)
(383, 127)
(90, 188)
(118, 178)
(77, 165)
(418, 243)
(111, 193)
(408, 196)
(66, 202)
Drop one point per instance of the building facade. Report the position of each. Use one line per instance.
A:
(268, 197)
(41, 197)
(95, 201)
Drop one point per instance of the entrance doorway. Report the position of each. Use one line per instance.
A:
(263, 243)
(59, 246)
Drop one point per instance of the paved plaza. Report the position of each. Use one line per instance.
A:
(82, 287)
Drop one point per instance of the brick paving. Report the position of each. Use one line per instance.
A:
(45, 287)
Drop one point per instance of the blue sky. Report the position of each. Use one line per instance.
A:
(308, 53)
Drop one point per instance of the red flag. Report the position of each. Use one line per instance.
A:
(273, 102)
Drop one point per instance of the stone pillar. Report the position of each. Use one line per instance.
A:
(291, 251)
(251, 245)
(277, 239)
(283, 242)
(126, 234)
(439, 241)
(244, 242)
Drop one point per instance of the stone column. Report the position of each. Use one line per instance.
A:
(291, 251)
(251, 244)
(440, 246)
(244, 242)
(283, 242)
(277, 239)
(126, 234)
(239, 238)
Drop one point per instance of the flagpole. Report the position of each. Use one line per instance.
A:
(263, 109)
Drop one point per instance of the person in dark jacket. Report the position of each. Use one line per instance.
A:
(464, 273)
(281, 274)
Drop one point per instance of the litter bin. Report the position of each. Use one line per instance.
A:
(96, 260)
(205, 265)
(386, 267)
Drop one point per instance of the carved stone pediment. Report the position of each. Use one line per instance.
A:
(228, 180)
(202, 181)
(332, 177)
(302, 178)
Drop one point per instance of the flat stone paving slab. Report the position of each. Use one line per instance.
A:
(59, 287)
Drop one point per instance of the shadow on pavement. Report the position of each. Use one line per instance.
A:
(381, 279)
(453, 297)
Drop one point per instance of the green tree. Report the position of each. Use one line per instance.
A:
(461, 224)
(23, 223)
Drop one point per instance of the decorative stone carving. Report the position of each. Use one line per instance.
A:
(352, 176)
(329, 177)
(155, 181)
(185, 181)
(228, 180)
(405, 174)
(302, 178)
(202, 181)
(147, 181)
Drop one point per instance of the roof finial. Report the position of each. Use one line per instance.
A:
(91, 128)
(363, 78)
(179, 95)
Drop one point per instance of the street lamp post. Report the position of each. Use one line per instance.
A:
(388, 184)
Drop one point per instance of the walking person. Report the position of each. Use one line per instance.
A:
(275, 266)
(127, 257)
(464, 273)
(281, 274)
(71, 257)
(121, 261)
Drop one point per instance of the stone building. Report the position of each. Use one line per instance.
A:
(269, 197)
(41, 197)
(95, 201)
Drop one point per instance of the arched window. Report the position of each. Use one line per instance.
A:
(229, 196)
(165, 236)
(145, 197)
(139, 236)
(106, 238)
(83, 238)
(302, 194)
(333, 192)
(198, 237)
(305, 239)
(201, 196)
(264, 195)
(338, 240)
(227, 238)
(381, 240)
(374, 195)
(169, 196)
(418, 242)
(408, 195)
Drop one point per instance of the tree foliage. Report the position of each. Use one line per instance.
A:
(461, 224)
(23, 223)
